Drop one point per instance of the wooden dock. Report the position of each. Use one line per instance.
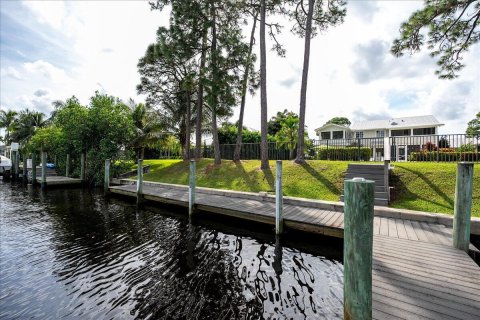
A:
(60, 181)
(417, 274)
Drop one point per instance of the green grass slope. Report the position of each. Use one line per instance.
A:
(429, 186)
(419, 186)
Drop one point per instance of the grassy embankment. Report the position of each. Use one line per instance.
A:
(419, 186)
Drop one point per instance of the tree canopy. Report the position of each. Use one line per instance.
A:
(473, 126)
(343, 121)
(453, 26)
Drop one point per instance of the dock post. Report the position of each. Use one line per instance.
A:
(140, 181)
(107, 176)
(44, 170)
(67, 166)
(278, 198)
(25, 171)
(14, 171)
(191, 188)
(358, 249)
(386, 180)
(463, 206)
(82, 167)
(34, 168)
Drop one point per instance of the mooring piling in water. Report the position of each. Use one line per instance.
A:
(140, 181)
(278, 198)
(82, 167)
(34, 168)
(463, 206)
(44, 170)
(67, 166)
(106, 184)
(25, 170)
(191, 188)
(358, 249)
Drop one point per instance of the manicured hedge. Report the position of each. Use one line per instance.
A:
(444, 156)
(343, 153)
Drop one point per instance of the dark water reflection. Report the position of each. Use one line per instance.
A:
(72, 254)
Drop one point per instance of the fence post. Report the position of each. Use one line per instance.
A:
(191, 188)
(44, 170)
(358, 142)
(67, 166)
(358, 249)
(106, 184)
(140, 181)
(278, 199)
(34, 168)
(386, 180)
(463, 206)
(82, 167)
(25, 171)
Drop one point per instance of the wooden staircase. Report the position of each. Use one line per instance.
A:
(376, 173)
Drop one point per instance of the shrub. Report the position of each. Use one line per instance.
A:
(344, 153)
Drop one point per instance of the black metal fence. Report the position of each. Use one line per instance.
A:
(439, 148)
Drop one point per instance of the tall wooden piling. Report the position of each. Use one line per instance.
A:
(278, 198)
(67, 166)
(106, 184)
(191, 188)
(82, 167)
(34, 168)
(463, 206)
(14, 171)
(44, 170)
(358, 249)
(140, 181)
(25, 170)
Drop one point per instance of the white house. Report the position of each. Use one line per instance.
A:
(409, 134)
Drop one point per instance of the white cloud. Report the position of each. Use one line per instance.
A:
(52, 13)
(47, 70)
(10, 72)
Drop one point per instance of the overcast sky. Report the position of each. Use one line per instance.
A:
(53, 50)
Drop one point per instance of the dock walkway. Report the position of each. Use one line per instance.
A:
(417, 274)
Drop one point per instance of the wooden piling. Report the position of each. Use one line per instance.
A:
(67, 166)
(34, 168)
(107, 176)
(278, 198)
(25, 170)
(191, 188)
(140, 181)
(358, 249)
(44, 170)
(463, 206)
(82, 167)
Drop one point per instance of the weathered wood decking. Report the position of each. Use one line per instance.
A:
(417, 274)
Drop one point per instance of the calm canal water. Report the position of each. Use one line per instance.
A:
(73, 254)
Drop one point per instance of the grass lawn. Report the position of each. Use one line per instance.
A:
(429, 186)
(421, 186)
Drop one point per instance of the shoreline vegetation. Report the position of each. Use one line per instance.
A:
(417, 186)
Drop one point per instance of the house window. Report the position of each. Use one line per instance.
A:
(359, 135)
(325, 135)
(399, 133)
(380, 133)
(337, 134)
(423, 131)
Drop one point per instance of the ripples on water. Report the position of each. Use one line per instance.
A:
(71, 254)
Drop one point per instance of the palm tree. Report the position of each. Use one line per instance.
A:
(288, 134)
(148, 128)
(27, 124)
(8, 121)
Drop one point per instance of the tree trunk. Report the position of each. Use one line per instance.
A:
(303, 91)
(188, 130)
(198, 126)
(263, 91)
(142, 153)
(238, 146)
(214, 66)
